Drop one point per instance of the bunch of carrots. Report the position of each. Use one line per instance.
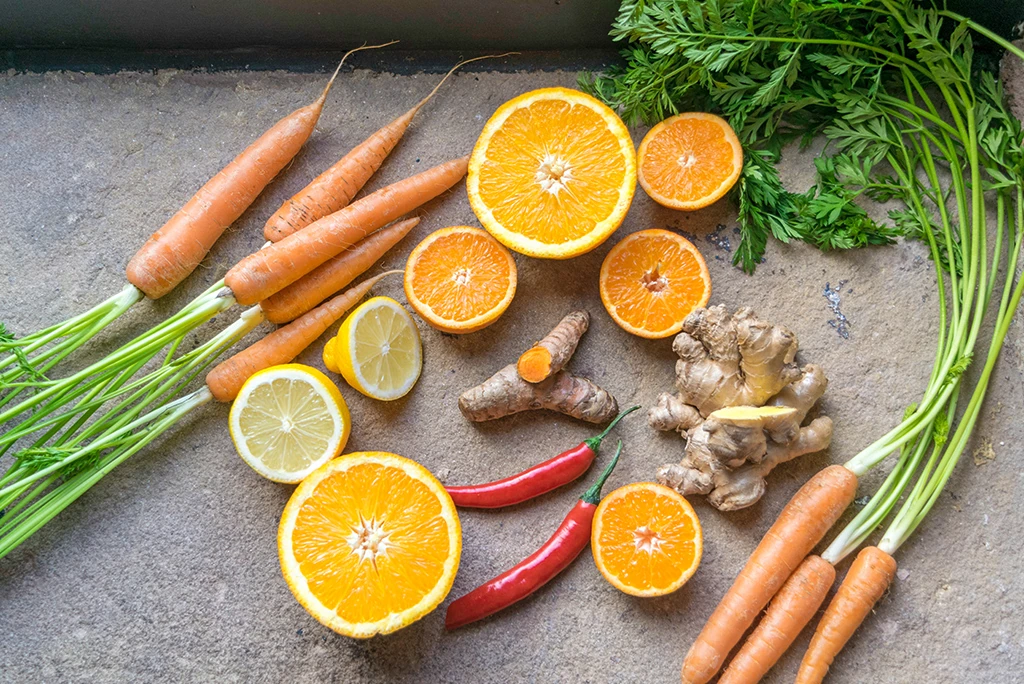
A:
(79, 427)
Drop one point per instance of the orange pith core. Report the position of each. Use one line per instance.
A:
(688, 160)
(370, 541)
(462, 275)
(552, 172)
(647, 541)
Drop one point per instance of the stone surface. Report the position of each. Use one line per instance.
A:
(167, 570)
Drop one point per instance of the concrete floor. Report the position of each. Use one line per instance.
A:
(168, 571)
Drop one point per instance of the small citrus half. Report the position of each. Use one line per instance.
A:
(287, 421)
(652, 280)
(646, 539)
(552, 174)
(377, 349)
(689, 161)
(369, 543)
(460, 279)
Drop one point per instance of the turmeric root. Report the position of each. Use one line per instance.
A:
(741, 402)
(537, 381)
(550, 355)
(505, 393)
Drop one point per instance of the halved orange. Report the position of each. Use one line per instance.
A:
(460, 279)
(552, 174)
(652, 280)
(369, 543)
(689, 161)
(646, 539)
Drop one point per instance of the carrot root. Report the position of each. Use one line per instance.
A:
(331, 277)
(788, 613)
(801, 525)
(280, 264)
(335, 187)
(284, 344)
(869, 577)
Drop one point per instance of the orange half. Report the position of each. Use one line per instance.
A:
(460, 279)
(689, 161)
(652, 280)
(646, 539)
(369, 543)
(552, 174)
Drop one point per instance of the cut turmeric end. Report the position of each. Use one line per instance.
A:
(535, 364)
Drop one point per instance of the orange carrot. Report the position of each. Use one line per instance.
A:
(335, 187)
(284, 344)
(870, 575)
(788, 613)
(174, 251)
(280, 264)
(801, 525)
(314, 287)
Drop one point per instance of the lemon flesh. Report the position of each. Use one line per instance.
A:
(287, 421)
(378, 349)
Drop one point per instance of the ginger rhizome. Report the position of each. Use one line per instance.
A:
(538, 381)
(741, 403)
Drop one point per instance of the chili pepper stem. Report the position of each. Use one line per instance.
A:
(595, 442)
(593, 495)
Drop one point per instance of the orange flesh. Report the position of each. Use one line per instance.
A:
(655, 281)
(688, 160)
(647, 539)
(462, 275)
(552, 172)
(339, 521)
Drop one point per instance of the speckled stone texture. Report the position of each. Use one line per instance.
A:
(167, 570)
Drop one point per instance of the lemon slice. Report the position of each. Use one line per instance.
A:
(287, 421)
(378, 349)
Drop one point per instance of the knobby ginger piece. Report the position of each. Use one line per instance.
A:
(741, 403)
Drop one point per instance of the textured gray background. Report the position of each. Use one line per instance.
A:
(168, 571)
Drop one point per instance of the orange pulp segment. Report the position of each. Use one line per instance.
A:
(652, 280)
(646, 539)
(369, 543)
(689, 161)
(552, 174)
(460, 279)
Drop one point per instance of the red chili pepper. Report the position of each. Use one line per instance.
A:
(571, 537)
(539, 479)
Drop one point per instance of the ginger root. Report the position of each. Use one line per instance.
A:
(550, 355)
(741, 403)
(537, 381)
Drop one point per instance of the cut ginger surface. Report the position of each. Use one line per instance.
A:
(646, 539)
(652, 280)
(369, 543)
(552, 174)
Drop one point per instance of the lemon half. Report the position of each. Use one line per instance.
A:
(378, 349)
(287, 421)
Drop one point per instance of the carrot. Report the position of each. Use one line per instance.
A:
(789, 612)
(280, 264)
(285, 343)
(174, 251)
(335, 187)
(801, 525)
(331, 277)
(870, 575)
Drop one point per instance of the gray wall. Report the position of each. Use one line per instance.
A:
(338, 24)
(306, 24)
